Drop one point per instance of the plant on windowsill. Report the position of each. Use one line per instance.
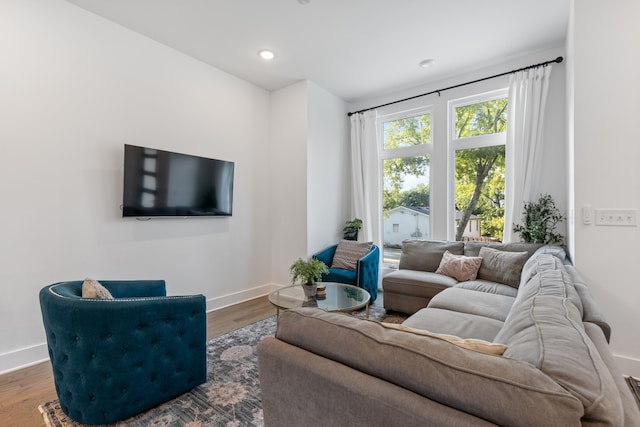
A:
(539, 222)
(351, 229)
(307, 273)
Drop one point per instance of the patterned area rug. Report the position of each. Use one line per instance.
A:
(231, 395)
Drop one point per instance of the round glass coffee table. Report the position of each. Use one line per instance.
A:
(339, 297)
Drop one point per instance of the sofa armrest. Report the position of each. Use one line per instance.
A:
(326, 255)
(368, 268)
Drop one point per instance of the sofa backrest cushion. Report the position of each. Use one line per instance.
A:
(546, 331)
(591, 311)
(501, 266)
(467, 380)
(425, 255)
(548, 276)
(473, 248)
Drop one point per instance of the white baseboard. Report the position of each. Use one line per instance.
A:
(628, 365)
(242, 296)
(28, 356)
(23, 358)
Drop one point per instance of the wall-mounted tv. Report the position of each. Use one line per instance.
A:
(161, 183)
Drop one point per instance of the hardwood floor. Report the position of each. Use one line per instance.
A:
(22, 391)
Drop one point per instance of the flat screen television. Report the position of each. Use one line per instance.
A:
(161, 183)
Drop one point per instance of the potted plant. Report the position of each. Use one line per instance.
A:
(307, 273)
(351, 229)
(540, 220)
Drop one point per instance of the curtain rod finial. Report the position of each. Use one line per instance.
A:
(559, 59)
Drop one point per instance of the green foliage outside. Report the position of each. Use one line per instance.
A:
(479, 171)
(406, 132)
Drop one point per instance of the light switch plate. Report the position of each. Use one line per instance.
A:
(616, 217)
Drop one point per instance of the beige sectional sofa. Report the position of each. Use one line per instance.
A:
(485, 353)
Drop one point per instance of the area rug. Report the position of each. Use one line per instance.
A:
(231, 395)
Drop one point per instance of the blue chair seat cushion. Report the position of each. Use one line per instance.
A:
(340, 275)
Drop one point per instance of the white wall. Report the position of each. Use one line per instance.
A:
(328, 166)
(73, 89)
(310, 166)
(288, 190)
(605, 145)
(555, 148)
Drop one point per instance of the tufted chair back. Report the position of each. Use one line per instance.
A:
(114, 358)
(365, 275)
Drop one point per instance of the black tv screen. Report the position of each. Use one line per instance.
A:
(162, 183)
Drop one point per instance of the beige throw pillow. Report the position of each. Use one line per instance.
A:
(93, 289)
(348, 253)
(502, 266)
(468, 343)
(460, 267)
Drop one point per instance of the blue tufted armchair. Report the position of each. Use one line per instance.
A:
(114, 358)
(365, 275)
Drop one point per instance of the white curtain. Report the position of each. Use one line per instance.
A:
(525, 124)
(366, 192)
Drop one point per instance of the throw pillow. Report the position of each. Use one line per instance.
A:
(93, 289)
(469, 343)
(460, 267)
(348, 253)
(502, 266)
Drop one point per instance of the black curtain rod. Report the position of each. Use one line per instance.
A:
(558, 60)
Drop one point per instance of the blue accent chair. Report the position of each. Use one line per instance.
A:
(365, 276)
(115, 358)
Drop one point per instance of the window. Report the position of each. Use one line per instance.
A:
(405, 173)
(477, 142)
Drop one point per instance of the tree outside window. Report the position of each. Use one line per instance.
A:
(480, 166)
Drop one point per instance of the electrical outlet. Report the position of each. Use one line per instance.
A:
(616, 217)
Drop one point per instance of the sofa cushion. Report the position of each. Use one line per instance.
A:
(549, 277)
(463, 325)
(340, 275)
(348, 253)
(488, 287)
(501, 266)
(459, 267)
(473, 248)
(494, 306)
(546, 331)
(419, 283)
(474, 344)
(429, 367)
(425, 255)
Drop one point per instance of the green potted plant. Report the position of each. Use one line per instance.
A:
(539, 222)
(307, 273)
(351, 229)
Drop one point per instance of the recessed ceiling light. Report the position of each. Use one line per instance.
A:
(426, 63)
(304, 1)
(267, 55)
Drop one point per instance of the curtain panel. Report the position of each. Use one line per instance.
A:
(525, 124)
(366, 181)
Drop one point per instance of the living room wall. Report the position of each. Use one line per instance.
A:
(603, 109)
(310, 173)
(75, 88)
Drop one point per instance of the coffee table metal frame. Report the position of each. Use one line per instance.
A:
(339, 297)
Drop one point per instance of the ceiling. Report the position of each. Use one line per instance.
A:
(356, 49)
